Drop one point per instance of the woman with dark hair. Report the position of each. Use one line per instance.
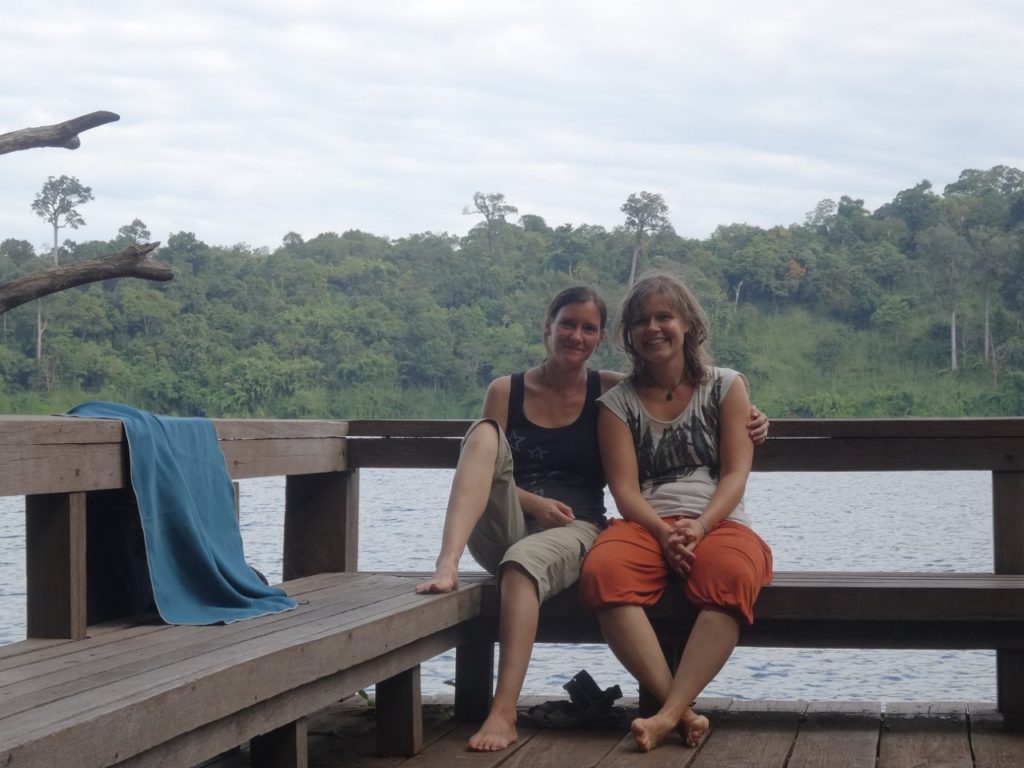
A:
(528, 493)
(676, 455)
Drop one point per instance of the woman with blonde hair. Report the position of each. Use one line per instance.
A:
(676, 457)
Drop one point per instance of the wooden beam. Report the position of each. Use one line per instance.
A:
(55, 565)
(284, 747)
(400, 714)
(1008, 545)
(321, 523)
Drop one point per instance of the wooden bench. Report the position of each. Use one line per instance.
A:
(149, 694)
(821, 609)
(140, 692)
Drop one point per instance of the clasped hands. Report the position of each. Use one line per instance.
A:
(678, 542)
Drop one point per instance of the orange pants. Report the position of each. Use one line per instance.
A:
(626, 567)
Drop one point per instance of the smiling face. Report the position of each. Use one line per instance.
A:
(660, 318)
(573, 334)
(657, 331)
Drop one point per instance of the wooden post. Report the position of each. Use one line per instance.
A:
(55, 565)
(474, 676)
(284, 747)
(321, 520)
(400, 714)
(1008, 545)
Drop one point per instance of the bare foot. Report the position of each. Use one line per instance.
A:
(494, 735)
(445, 579)
(692, 727)
(650, 732)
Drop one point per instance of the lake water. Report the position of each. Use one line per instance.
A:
(813, 521)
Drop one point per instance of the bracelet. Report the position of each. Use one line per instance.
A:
(702, 526)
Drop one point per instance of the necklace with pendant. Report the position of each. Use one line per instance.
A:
(669, 393)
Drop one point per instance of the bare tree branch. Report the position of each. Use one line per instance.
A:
(63, 135)
(133, 261)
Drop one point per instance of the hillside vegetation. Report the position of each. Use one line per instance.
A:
(916, 308)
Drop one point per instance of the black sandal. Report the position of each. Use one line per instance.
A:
(588, 706)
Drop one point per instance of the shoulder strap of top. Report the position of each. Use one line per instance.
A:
(593, 385)
(516, 393)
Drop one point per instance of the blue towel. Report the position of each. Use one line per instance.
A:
(186, 504)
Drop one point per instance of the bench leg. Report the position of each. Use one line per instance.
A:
(55, 565)
(1010, 688)
(400, 714)
(474, 676)
(284, 747)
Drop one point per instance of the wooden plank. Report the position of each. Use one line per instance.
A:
(992, 744)
(400, 714)
(278, 429)
(780, 428)
(55, 565)
(753, 734)
(58, 430)
(837, 735)
(832, 455)
(298, 456)
(408, 427)
(31, 659)
(58, 468)
(304, 636)
(213, 738)
(426, 452)
(78, 668)
(321, 523)
(896, 454)
(569, 748)
(925, 734)
(450, 750)
(670, 755)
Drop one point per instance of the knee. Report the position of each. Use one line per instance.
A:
(482, 439)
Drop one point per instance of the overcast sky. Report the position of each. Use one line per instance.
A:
(243, 121)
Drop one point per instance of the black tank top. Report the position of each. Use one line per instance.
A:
(561, 463)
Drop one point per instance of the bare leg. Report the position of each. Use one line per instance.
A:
(520, 612)
(711, 642)
(631, 637)
(634, 643)
(470, 488)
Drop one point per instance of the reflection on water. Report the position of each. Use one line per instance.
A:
(937, 521)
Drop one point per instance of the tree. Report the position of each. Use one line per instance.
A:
(947, 255)
(494, 209)
(136, 232)
(646, 214)
(57, 204)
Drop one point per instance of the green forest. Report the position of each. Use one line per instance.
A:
(913, 309)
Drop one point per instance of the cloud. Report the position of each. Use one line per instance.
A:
(245, 124)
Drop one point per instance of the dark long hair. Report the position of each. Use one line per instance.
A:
(696, 360)
(577, 294)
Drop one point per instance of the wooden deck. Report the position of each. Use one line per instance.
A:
(745, 734)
